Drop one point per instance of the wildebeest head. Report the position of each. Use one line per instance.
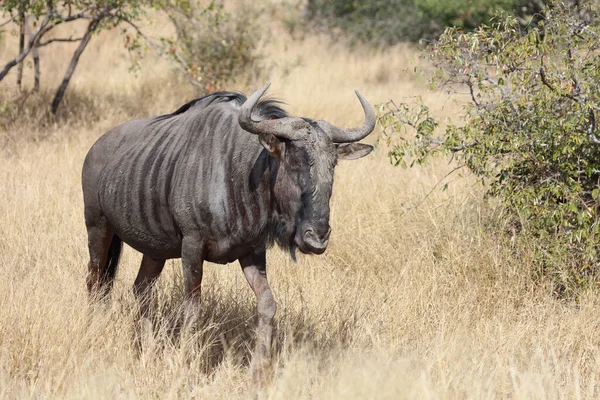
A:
(307, 152)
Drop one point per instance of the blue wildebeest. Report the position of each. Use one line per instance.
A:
(218, 180)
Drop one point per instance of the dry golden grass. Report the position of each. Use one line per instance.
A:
(406, 303)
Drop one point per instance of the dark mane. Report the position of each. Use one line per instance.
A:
(265, 109)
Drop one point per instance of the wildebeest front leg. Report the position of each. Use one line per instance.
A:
(149, 272)
(142, 288)
(192, 259)
(254, 267)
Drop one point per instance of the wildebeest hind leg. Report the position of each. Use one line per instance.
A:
(254, 267)
(105, 248)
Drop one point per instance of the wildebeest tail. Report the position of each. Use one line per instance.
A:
(112, 261)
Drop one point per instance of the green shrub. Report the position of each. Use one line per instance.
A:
(385, 22)
(381, 22)
(212, 45)
(528, 132)
(465, 15)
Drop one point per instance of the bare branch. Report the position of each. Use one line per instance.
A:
(32, 40)
(70, 39)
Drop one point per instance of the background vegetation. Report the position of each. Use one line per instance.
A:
(385, 22)
(421, 294)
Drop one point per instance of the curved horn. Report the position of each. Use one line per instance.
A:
(289, 128)
(349, 135)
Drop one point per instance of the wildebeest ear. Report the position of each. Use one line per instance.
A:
(352, 151)
(271, 143)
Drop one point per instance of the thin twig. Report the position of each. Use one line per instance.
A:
(8, 21)
(435, 187)
(472, 92)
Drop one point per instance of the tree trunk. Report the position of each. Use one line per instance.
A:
(22, 24)
(73, 64)
(36, 60)
(36, 69)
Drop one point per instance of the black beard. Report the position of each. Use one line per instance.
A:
(293, 252)
(278, 232)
